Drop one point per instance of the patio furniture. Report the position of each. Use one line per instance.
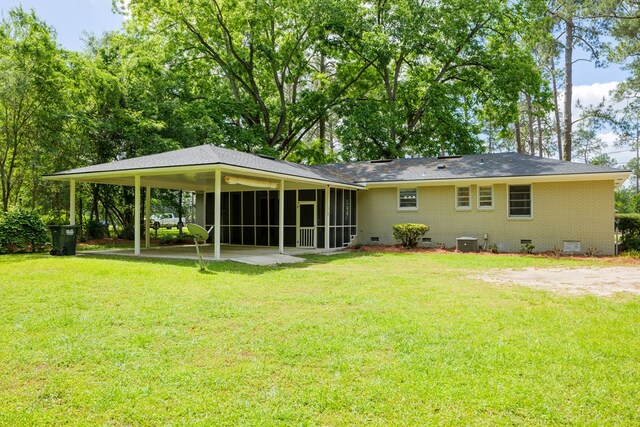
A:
(199, 234)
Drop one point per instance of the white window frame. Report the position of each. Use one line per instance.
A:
(490, 186)
(530, 216)
(468, 206)
(407, 208)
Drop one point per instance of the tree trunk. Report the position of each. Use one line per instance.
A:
(557, 107)
(568, 88)
(539, 121)
(530, 125)
(519, 147)
(322, 124)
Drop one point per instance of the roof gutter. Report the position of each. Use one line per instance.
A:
(619, 177)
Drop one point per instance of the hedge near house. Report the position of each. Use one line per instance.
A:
(22, 231)
(629, 226)
(409, 233)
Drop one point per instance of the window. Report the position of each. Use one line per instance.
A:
(408, 199)
(485, 197)
(520, 201)
(463, 198)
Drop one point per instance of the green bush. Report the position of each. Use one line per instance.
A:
(631, 242)
(95, 229)
(629, 226)
(168, 239)
(409, 233)
(22, 231)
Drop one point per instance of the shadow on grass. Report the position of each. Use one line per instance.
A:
(213, 267)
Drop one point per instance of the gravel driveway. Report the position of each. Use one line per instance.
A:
(601, 281)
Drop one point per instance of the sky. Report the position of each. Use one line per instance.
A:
(72, 19)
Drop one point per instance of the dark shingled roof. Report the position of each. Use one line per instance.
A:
(208, 155)
(497, 165)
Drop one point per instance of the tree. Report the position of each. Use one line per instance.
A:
(262, 53)
(587, 143)
(626, 30)
(628, 129)
(577, 24)
(634, 166)
(604, 159)
(32, 102)
(439, 71)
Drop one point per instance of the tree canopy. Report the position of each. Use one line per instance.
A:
(305, 80)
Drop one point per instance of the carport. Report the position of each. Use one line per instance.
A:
(212, 173)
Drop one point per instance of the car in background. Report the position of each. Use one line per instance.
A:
(165, 220)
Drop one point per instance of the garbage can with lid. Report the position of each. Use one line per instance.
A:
(63, 239)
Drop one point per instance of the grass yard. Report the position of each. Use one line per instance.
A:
(349, 339)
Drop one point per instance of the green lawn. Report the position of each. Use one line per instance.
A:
(350, 339)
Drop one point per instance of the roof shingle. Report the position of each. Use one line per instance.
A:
(358, 173)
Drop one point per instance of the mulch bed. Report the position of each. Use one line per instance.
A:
(549, 254)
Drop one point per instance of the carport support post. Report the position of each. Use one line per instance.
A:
(216, 216)
(327, 208)
(72, 202)
(136, 215)
(147, 217)
(281, 217)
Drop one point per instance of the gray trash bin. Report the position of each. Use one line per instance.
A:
(63, 239)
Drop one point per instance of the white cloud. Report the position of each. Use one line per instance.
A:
(594, 93)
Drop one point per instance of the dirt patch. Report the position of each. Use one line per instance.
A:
(601, 281)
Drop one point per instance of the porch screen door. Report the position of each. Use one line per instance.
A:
(306, 225)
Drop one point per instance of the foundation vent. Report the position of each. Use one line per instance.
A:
(375, 239)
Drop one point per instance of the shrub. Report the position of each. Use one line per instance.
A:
(629, 226)
(409, 233)
(527, 248)
(95, 229)
(22, 231)
(168, 239)
(631, 242)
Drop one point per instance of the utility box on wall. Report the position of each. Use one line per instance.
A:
(571, 246)
(467, 244)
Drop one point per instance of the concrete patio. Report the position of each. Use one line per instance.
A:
(245, 254)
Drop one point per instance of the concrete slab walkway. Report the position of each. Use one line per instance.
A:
(245, 254)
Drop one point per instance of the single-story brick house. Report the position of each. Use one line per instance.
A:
(503, 199)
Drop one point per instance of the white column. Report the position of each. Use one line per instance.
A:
(147, 217)
(136, 225)
(327, 200)
(72, 202)
(216, 216)
(281, 217)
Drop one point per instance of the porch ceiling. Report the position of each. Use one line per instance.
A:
(187, 181)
